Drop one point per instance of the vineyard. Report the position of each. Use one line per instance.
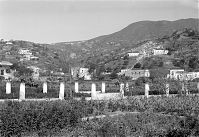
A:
(157, 116)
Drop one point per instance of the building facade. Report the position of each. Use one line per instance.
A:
(160, 52)
(133, 54)
(83, 73)
(137, 73)
(35, 73)
(24, 52)
(175, 73)
(5, 71)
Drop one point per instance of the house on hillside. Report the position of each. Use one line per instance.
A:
(187, 75)
(133, 54)
(136, 73)
(78, 72)
(24, 52)
(160, 52)
(26, 57)
(74, 72)
(5, 70)
(83, 73)
(123, 71)
(35, 73)
(9, 43)
(175, 73)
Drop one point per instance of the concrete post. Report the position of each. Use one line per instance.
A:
(93, 91)
(167, 89)
(183, 87)
(8, 87)
(122, 89)
(76, 87)
(186, 89)
(198, 86)
(147, 90)
(61, 91)
(45, 87)
(22, 91)
(103, 87)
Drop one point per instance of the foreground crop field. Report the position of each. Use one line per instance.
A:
(158, 116)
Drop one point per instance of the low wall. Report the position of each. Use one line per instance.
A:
(108, 96)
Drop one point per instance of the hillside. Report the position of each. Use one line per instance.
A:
(108, 52)
(46, 59)
(123, 40)
(144, 30)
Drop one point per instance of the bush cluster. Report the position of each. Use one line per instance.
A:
(45, 118)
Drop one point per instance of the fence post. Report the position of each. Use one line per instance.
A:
(8, 87)
(147, 89)
(22, 91)
(186, 89)
(93, 91)
(103, 87)
(122, 89)
(167, 89)
(183, 88)
(45, 87)
(198, 86)
(76, 87)
(61, 91)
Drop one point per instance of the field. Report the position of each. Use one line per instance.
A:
(155, 116)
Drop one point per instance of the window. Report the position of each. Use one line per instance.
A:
(2, 72)
(7, 70)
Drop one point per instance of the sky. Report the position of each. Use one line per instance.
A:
(51, 21)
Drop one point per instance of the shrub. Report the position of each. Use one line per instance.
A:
(44, 117)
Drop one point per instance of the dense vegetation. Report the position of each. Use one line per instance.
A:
(158, 116)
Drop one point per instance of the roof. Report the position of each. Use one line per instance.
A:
(5, 63)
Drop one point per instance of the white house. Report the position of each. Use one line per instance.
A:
(83, 72)
(123, 71)
(36, 70)
(8, 43)
(136, 73)
(24, 52)
(133, 54)
(175, 73)
(5, 70)
(29, 57)
(187, 75)
(160, 52)
(74, 72)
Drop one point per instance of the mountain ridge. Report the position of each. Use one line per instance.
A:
(134, 32)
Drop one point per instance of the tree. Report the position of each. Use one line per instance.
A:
(113, 75)
(193, 62)
(99, 70)
(22, 71)
(153, 62)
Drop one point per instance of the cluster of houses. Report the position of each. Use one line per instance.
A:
(176, 74)
(147, 49)
(155, 51)
(7, 72)
(27, 55)
(181, 75)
